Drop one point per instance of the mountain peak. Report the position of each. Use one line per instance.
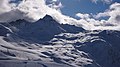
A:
(47, 17)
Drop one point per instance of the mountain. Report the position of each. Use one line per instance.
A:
(48, 43)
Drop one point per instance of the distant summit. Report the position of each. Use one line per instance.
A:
(44, 29)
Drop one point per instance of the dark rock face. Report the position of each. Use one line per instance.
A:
(44, 29)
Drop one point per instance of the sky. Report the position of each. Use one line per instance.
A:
(88, 14)
(71, 7)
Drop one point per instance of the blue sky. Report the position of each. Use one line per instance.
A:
(71, 7)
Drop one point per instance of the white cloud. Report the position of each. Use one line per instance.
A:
(83, 16)
(30, 10)
(55, 0)
(55, 4)
(99, 15)
(6, 10)
(104, 1)
(4, 6)
(33, 10)
(94, 1)
(94, 23)
(107, 1)
(113, 12)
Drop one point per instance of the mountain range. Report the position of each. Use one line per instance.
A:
(48, 43)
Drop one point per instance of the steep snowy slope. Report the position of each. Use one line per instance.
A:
(52, 44)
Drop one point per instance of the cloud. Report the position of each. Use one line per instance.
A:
(6, 10)
(83, 16)
(27, 9)
(55, 0)
(93, 22)
(113, 13)
(4, 6)
(55, 4)
(99, 15)
(30, 10)
(104, 1)
(33, 10)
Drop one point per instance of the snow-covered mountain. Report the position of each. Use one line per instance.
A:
(48, 43)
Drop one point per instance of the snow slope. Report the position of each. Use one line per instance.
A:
(49, 43)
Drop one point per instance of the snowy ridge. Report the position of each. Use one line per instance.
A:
(48, 41)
